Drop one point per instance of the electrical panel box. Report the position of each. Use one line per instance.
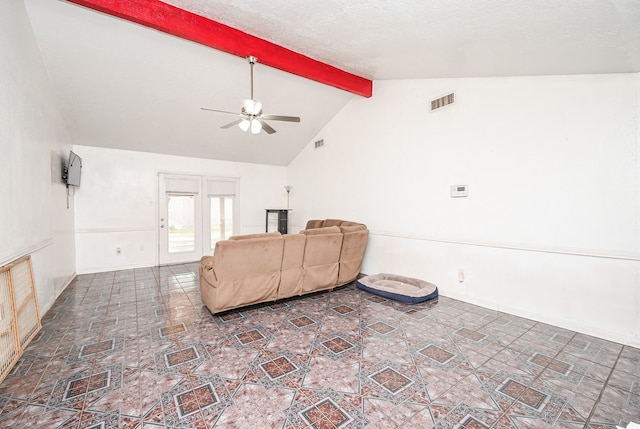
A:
(459, 191)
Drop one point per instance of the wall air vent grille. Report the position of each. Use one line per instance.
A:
(441, 102)
(319, 144)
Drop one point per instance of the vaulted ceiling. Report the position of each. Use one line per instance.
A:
(124, 85)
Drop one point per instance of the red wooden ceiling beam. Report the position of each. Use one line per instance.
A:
(187, 25)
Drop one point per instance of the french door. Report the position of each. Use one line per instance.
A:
(194, 213)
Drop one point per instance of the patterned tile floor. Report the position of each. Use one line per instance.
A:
(137, 349)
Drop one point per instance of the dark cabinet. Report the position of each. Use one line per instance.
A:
(278, 218)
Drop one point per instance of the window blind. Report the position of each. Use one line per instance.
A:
(179, 185)
(221, 188)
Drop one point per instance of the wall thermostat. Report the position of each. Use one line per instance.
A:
(459, 191)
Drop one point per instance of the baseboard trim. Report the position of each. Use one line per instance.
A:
(593, 331)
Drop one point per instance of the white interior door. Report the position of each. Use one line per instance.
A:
(180, 226)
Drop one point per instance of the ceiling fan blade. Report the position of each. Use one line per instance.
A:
(220, 111)
(281, 118)
(267, 127)
(231, 124)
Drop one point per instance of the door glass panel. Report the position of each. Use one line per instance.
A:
(228, 217)
(221, 219)
(215, 221)
(181, 215)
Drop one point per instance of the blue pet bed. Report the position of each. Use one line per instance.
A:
(398, 288)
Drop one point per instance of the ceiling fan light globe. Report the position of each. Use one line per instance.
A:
(252, 107)
(244, 125)
(256, 126)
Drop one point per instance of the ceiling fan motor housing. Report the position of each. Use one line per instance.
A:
(251, 107)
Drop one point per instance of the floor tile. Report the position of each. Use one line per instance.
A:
(384, 414)
(257, 407)
(337, 374)
(136, 349)
(617, 406)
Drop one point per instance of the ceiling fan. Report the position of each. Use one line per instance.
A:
(251, 116)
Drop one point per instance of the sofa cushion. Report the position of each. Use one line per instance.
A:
(349, 223)
(292, 272)
(352, 228)
(321, 258)
(321, 231)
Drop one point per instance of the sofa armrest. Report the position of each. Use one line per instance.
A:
(354, 243)
(332, 222)
(207, 273)
(258, 235)
(314, 224)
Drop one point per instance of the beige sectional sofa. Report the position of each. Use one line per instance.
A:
(254, 268)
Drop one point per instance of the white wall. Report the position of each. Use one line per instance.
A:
(34, 143)
(550, 228)
(116, 205)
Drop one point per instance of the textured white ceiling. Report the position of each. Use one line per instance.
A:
(126, 86)
(405, 39)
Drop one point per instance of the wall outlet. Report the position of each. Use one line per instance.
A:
(460, 275)
(118, 251)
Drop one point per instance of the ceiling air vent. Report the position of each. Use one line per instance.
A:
(441, 102)
(319, 144)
